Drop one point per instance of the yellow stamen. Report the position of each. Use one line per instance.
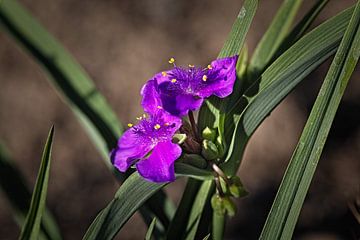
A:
(173, 80)
(191, 66)
(164, 74)
(144, 115)
(138, 118)
(171, 60)
(157, 126)
(130, 125)
(204, 78)
(159, 107)
(209, 66)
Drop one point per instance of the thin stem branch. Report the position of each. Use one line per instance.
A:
(218, 185)
(220, 173)
(194, 126)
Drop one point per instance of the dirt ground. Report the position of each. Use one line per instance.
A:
(121, 44)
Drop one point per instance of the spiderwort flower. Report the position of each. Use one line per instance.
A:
(148, 144)
(182, 89)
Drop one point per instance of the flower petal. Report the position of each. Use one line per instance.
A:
(176, 101)
(151, 100)
(220, 79)
(159, 166)
(131, 147)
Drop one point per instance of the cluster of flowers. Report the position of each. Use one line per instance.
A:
(166, 98)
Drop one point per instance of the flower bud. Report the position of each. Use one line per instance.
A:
(236, 188)
(220, 145)
(217, 204)
(209, 150)
(209, 134)
(230, 206)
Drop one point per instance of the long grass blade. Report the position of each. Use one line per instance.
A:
(179, 222)
(286, 208)
(74, 85)
(65, 74)
(32, 224)
(150, 230)
(271, 40)
(210, 112)
(205, 192)
(128, 199)
(14, 187)
(301, 28)
(278, 80)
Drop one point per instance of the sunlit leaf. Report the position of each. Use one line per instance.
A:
(286, 208)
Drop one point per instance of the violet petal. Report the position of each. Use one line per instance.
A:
(159, 166)
(130, 148)
(221, 78)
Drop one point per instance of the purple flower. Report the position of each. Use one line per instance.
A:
(182, 89)
(148, 144)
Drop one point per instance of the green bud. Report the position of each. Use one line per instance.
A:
(220, 146)
(179, 138)
(217, 204)
(209, 134)
(230, 206)
(236, 188)
(195, 160)
(209, 150)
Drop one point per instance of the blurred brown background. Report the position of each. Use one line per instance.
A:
(121, 44)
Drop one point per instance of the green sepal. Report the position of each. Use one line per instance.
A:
(220, 146)
(229, 206)
(217, 204)
(209, 150)
(236, 188)
(209, 134)
(179, 138)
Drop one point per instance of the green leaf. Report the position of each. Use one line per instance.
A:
(273, 37)
(13, 185)
(183, 169)
(178, 223)
(65, 74)
(209, 113)
(128, 199)
(32, 224)
(73, 84)
(301, 28)
(286, 208)
(278, 80)
(150, 230)
(202, 197)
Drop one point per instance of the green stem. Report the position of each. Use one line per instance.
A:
(218, 226)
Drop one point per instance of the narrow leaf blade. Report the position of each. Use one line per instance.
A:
(210, 112)
(273, 37)
(71, 83)
(278, 80)
(33, 220)
(128, 199)
(13, 185)
(286, 208)
(65, 74)
(150, 230)
(300, 29)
